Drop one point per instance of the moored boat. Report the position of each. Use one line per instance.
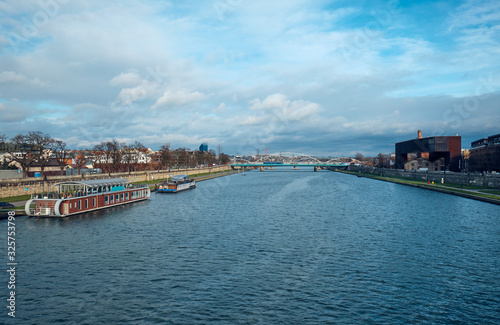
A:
(76, 197)
(176, 184)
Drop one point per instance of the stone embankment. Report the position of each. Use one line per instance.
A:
(15, 187)
(471, 179)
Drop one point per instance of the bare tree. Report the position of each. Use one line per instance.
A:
(113, 154)
(224, 159)
(137, 151)
(99, 156)
(92, 156)
(213, 157)
(79, 158)
(165, 155)
(21, 152)
(381, 160)
(128, 156)
(62, 154)
(181, 157)
(43, 146)
(108, 155)
(114, 149)
(3, 142)
(359, 156)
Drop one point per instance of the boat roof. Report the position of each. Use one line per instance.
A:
(97, 182)
(179, 177)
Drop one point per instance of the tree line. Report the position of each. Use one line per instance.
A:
(36, 149)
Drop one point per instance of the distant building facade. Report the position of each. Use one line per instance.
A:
(484, 154)
(424, 164)
(431, 149)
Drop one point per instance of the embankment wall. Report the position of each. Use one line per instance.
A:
(14, 187)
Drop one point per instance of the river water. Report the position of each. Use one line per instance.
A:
(273, 247)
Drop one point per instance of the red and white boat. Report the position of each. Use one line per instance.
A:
(75, 197)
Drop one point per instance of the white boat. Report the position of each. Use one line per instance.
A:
(176, 184)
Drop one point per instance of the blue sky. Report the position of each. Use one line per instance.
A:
(313, 77)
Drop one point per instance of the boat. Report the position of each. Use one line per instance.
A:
(176, 184)
(77, 197)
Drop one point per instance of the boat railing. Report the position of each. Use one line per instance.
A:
(48, 195)
(132, 186)
(79, 193)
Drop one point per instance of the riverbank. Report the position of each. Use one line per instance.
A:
(20, 201)
(199, 177)
(28, 186)
(476, 193)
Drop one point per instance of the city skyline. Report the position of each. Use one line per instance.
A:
(330, 78)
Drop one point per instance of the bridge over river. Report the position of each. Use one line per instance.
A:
(314, 165)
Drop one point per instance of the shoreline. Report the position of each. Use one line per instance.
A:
(469, 194)
(154, 186)
(21, 212)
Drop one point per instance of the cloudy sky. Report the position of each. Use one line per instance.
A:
(314, 77)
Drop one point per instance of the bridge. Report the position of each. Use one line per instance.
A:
(293, 165)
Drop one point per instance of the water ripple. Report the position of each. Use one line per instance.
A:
(269, 248)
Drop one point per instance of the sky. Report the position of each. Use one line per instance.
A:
(329, 78)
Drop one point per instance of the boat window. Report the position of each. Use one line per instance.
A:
(111, 199)
(93, 202)
(121, 196)
(79, 204)
(117, 198)
(86, 204)
(126, 196)
(106, 199)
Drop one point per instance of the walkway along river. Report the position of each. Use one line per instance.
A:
(283, 246)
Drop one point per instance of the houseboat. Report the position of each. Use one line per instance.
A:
(176, 184)
(76, 197)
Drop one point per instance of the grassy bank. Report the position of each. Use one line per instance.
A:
(473, 192)
(156, 181)
(15, 198)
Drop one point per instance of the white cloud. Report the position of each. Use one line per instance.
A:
(176, 98)
(253, 120)
(11, 77)
(221, 108)
(126, 79)
(270, 102)
(281, 106)
(475, 13)
(270, 68)
(10, 114)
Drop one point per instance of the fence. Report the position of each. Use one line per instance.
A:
(9, 174)
(474, 179)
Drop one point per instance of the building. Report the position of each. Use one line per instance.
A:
(431, 148)
(484, 154)
(424, 164)
(204, 147)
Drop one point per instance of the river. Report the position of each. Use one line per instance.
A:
(273, 247)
